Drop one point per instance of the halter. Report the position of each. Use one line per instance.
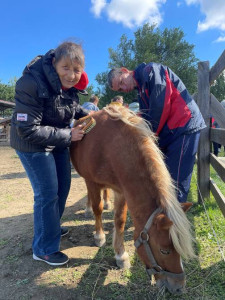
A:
(143, 239)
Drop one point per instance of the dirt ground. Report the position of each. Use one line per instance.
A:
(89, 267)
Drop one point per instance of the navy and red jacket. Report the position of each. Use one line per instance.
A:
(165, 103)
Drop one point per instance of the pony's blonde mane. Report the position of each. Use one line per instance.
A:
(180, 231)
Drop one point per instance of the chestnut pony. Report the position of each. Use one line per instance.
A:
(121, 153)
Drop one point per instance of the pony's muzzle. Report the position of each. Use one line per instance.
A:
(175, 287)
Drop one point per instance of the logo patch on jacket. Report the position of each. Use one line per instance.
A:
(21, 117)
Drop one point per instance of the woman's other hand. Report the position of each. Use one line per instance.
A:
(77, 133)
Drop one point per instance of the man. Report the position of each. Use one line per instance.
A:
(92, 105)
(171, 112)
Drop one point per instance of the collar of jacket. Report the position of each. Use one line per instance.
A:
(139, 76)
(50, 72)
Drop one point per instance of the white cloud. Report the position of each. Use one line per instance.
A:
(220, 39)
(97, 7)
(129, 12)
(214, 11)
(192, 1)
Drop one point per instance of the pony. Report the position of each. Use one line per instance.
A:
(121, 153)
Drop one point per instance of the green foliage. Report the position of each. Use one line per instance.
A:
(150, 44)
(167, 47)
(7, 91)
(85, 98)
(106, 93)
(218, 88)
(123, 55)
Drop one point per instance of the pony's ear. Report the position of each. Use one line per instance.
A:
(186, 206)
(163, 222)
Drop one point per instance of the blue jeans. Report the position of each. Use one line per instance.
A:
(50, 177)
(180, 159)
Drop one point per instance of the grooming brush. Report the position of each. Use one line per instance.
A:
(88, 123)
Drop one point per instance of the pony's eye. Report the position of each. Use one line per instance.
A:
(165, 252)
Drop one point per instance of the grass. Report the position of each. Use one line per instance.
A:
(208, 279)
(205, 275)
(3, 242)
(11, 259)
(22, 282)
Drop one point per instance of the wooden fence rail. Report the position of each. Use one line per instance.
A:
(210, 106)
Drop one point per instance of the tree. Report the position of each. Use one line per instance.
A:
(7, 91)
(169, 48)
(122, 56)
(106, 93)
(151, 44)
(218, 88)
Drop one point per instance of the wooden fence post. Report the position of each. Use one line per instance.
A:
(204, 143)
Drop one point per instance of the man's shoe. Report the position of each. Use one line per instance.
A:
(54, 259)
(64, 230)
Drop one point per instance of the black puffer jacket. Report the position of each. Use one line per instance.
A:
(43, 112)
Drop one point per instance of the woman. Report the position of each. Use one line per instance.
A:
(47, 100)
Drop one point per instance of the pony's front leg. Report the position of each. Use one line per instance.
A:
(94, 193)
(120, 216)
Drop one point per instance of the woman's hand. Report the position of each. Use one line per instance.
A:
(77, 133)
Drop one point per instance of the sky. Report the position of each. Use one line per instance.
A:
(30, 28)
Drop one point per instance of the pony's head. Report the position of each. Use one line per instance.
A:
(161, 254)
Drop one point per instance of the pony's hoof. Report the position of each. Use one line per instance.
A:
(107, 206)
(99, 240)
(123, 261)
(88, 213)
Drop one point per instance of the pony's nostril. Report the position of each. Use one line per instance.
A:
(179, 291)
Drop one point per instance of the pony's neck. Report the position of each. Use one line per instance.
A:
(141, 209)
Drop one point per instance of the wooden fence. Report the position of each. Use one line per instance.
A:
(5, 131)
(210, 106)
